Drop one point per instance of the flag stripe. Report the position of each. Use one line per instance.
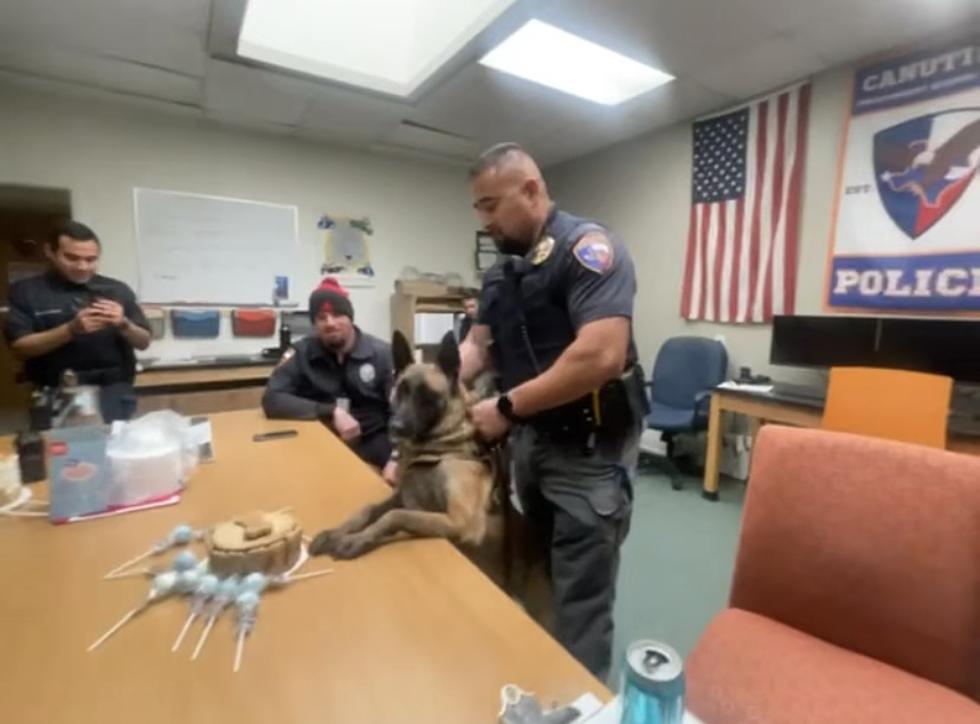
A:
(743, 231)
(761, 184)
(695, 312)
(793, 203)
(782, 236)
(779, 157)
(705, 261)
(744, 275)
(736, 273)
(718, 255)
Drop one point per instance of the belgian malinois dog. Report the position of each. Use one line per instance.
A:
(445, 482)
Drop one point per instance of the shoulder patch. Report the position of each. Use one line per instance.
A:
(594, 251)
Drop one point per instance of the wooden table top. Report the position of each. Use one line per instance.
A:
(409, 633)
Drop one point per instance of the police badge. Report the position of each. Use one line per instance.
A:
(543, 250)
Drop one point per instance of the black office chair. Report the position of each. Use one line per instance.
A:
(684, 373)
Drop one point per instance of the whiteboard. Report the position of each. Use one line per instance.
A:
(196, 249)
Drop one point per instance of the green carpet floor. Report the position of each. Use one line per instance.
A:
(676, 563)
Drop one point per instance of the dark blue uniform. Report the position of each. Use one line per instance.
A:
(102, 358)
(573, 465)
(308, 385)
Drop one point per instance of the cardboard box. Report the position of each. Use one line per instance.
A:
(420, 288)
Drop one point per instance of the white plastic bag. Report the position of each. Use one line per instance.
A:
(151, 457)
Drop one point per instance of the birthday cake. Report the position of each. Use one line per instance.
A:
(255, 542)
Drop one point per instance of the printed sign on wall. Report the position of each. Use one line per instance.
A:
(907, 229)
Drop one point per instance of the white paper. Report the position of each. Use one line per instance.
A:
(430, 327)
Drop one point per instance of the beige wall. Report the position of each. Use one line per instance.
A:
(420, 211)
(641, 188)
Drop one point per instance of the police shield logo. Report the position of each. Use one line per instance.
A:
(923, 165)
(367, 373)
(595, 252)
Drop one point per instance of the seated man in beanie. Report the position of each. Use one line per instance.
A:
(338, 375)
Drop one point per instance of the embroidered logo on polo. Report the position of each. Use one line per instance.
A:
(367, 373)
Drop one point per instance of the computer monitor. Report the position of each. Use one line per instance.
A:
(801, 341)
(941, 346)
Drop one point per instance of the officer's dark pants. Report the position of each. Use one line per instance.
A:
(117, 401)
(579, 506)
(374, 449)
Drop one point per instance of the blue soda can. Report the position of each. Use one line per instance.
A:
(653, 684)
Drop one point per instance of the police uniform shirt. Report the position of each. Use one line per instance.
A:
(578, 272)
(307, 385)
(47, 301)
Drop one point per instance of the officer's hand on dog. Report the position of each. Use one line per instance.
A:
(86, 321)
(490, 424)
(390, 473)
(346, 426)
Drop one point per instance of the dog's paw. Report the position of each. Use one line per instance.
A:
(350, 546)
(324, 542)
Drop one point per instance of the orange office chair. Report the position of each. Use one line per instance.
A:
(893, 404)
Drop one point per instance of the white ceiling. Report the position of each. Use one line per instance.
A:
(178, 55)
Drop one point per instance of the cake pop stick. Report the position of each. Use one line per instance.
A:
(179, 536)
(183, 561)
(246, 604)
(162, 586)
(226, 593)
(206, 588)
(258, 582)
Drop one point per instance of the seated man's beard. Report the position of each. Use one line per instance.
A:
(513, 247)
(335, 344)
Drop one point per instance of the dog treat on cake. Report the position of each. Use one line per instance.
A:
(255, 542)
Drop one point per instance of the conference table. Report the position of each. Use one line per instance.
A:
(411, 632)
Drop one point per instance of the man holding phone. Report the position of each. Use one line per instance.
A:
(72, 318)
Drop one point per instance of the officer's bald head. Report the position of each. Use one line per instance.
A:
(506, 157)
(510, 195)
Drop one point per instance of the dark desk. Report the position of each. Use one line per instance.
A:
(202, 389)
(786, 408)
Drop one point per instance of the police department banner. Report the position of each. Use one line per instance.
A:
(907, 229)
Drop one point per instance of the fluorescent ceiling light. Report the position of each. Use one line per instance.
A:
(550, 56)
(391, 46)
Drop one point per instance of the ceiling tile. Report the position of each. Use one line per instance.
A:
(873, 26)
(761, 68)
(679, 37)
(341, 114)
(250, 94)
(100, 72)
(167, 34)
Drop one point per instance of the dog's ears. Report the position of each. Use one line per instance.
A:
(448, 359)
(401, 352)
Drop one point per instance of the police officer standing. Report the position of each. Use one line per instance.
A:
(555, 323)
(72, 318)
(340, 376)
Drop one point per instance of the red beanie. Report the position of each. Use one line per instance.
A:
(330, 297)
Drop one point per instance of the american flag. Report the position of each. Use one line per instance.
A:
(745, 203)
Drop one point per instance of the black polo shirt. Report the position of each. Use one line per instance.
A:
(44, 302)
(308, 384)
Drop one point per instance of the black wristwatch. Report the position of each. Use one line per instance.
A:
(506, 409)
